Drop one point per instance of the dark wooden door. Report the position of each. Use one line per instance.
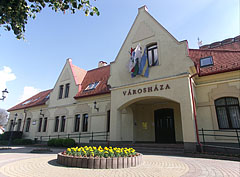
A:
(164, 126)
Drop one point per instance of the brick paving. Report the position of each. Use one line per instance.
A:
(21, 163)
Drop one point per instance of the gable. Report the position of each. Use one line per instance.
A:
(144, 31)
(172, 55)
(72, 76)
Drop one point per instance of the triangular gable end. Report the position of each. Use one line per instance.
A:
(146, 31)
(71, 75)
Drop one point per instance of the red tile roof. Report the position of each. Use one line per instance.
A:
(36, 100)
(229, 44)
(223, 60)
(78, 74)
(99, 74)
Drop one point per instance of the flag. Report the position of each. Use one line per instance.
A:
(135, 60)
(144, 70)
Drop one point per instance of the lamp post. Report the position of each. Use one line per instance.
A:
(4, 94)
(13, 125)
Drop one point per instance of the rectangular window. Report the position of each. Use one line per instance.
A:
(152, 55)
(85, 123)
(19, 124)
(11, 126)
(67, 86)
(63, 121)
(108, 121)
(40, 125)
(92, 86)
(60, 92)
(77, 123)
(28, 124)
(45, 125)
(56, 124)
(207, 61)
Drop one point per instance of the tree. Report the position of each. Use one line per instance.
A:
(14, 14)
(3, 117)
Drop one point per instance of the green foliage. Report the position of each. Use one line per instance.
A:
(4, 142)
(22, 141)
(61, 142)
(51, 142)
(14, 14)
(68, 142)
(15, 135)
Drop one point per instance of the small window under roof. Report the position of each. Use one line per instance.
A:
(92, 86)
(207, 61)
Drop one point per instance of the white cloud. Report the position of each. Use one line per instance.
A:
(5, 76)
(28, 92)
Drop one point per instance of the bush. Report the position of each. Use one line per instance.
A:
(15, 135)
(51, 142)
(68, 142)
(61, 142)
(22, 141)
(4, 142)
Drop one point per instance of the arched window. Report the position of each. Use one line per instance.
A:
(28, 124)
(227, 109)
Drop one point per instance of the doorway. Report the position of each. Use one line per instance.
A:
(164, 126)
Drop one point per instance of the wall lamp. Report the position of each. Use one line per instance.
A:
(41, 114)
(4, 94)
(95, 106)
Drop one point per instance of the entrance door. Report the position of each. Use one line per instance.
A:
(164, 126)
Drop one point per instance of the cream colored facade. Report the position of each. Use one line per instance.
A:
(133, 101)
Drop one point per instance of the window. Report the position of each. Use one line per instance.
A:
(77, 123)
(19, 124)
(85, 123)
(40, 125)
(11, 126)
(152, 55)
(67, 86)
(207, 61)
(60, 92)
(45, 124)
(227, 109)
(63, 121)
(56, 124)
(28, 124)
(108, 121)
(92, 86)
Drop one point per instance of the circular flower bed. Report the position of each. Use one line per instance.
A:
(99, 158)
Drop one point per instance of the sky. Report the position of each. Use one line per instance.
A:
(33, 65)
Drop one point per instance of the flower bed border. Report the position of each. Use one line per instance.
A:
(99, 163)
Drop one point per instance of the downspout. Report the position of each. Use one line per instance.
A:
(194, 111)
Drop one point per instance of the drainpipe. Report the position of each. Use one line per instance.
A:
(194, 111)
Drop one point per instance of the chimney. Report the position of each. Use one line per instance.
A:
(101, 64)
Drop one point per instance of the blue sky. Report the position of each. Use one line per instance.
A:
(33, 65)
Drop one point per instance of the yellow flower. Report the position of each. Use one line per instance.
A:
(68, 149)
(106, 152)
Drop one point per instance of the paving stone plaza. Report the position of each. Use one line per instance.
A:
(19, 162)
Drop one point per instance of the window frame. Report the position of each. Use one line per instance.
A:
(45, 124)
(28, 123)
(40, 124)
(56, 125)
(85, 122)
(63, 123)
(108, 120)
(151, 48)
(203, 66)
(226, 106)
(77, 122)
(67, 88)
(19, 123)
(60, 94)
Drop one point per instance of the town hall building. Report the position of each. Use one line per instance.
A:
(157, 90)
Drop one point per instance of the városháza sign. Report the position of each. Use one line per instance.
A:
(155, 88)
